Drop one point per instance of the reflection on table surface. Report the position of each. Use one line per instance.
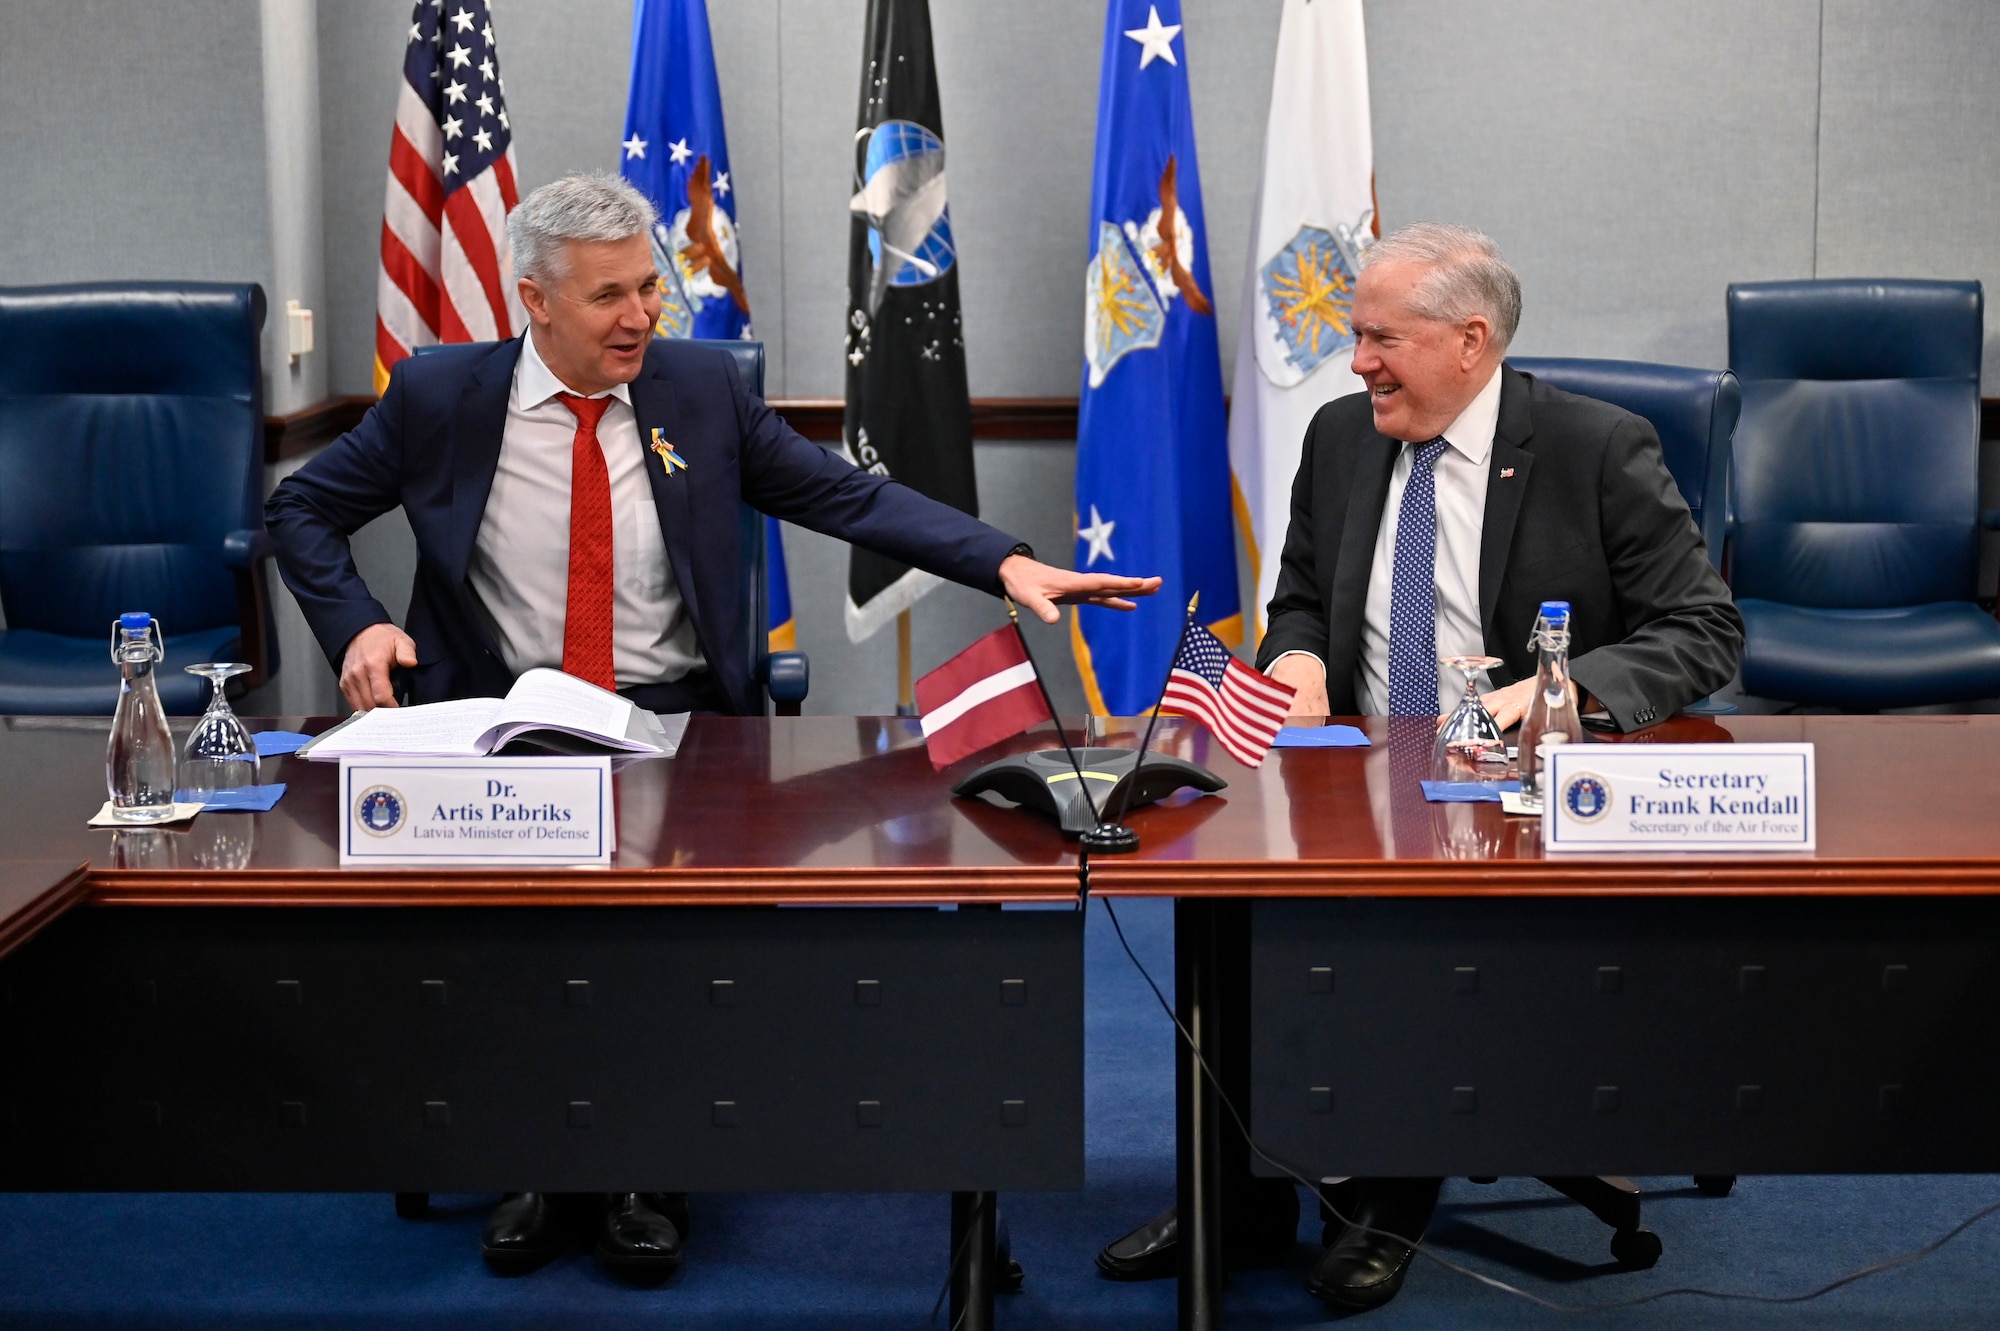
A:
(850, 795)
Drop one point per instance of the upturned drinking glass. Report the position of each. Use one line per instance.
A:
(1468, 745)
(220, 754)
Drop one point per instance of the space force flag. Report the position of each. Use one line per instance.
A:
(981, 696)
(676, 152)
(908, 411)
(447, 273)
(1152, 468)
(1315, 213)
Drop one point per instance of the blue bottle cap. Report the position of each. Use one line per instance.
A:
(135, 621)
(1556, 609)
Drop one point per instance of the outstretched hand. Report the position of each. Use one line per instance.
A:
(1039, 588)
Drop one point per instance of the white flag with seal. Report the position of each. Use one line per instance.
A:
(1315, 214)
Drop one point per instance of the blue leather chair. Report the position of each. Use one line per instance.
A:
(1855, 493)
(1693, 411)
(786, 676)
(131, 478)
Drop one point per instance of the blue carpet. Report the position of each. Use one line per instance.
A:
(764, 1261)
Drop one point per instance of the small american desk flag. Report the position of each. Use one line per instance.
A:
(447, 272)
(1243, 708)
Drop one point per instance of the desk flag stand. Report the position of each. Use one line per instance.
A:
(1042, 780)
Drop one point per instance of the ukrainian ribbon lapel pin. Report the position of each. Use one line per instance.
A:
(669, 459)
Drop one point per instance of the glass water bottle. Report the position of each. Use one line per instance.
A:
(1552, 716)
(139, 763)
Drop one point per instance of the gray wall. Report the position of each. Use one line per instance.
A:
(131, 142)
(1632, 157)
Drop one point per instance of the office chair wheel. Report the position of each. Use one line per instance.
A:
(413, 1205)
(1715, 1185)
(1636, 1249)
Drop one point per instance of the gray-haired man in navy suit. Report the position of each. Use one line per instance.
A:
(575, 496)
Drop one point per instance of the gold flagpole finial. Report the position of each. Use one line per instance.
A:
(1012, 613)
(1193, 601)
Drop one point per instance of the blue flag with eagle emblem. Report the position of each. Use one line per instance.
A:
(1152, 460)
(676, 153)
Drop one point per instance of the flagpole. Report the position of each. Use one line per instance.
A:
(1014, 617)
(1125, 803)
(906, 699)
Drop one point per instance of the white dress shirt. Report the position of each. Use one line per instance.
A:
(1460, 473)
(520, 560)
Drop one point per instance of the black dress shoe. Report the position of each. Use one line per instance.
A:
(1150, 1252)
(1365, 1269)
(640, 1241)
(524, 1232)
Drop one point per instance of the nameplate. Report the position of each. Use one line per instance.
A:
(476, 811)
(1652, 797)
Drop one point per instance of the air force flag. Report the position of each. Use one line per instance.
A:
(1152, 468)
(1315, 214)
(677, 154)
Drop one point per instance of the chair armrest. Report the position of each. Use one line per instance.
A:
(787, 675)
(241, 549)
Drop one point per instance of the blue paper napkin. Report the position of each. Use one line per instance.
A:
(1320, 737)
(244, 799)
(271, 743)
(1468, 792)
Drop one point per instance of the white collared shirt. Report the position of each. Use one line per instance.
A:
(520, 560)
(1460, 473)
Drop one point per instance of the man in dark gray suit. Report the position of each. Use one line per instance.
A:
(1539, 495)
(1432, 515)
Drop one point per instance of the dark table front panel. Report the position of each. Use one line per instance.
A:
(1627, 1036)
(601, 1048)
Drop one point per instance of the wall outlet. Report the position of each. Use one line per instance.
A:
(298, 330)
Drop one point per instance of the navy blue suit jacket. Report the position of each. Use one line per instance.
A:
(432, 443)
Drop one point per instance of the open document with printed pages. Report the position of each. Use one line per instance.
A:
(545, 707)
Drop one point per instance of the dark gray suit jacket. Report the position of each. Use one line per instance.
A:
(1590, 515)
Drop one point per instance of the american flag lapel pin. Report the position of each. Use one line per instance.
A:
(669, 459)
(1505, 472)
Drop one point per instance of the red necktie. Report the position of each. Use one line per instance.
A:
(587, 621)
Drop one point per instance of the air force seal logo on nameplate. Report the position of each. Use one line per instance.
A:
(1587, 797)
(379, 811)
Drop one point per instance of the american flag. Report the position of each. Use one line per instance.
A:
(1243, 708)
(447, 273)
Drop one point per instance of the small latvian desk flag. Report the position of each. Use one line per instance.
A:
(985, 694)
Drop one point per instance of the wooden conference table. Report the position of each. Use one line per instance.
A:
(1431, 995)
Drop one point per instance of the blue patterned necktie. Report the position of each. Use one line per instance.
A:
(1413, 662)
